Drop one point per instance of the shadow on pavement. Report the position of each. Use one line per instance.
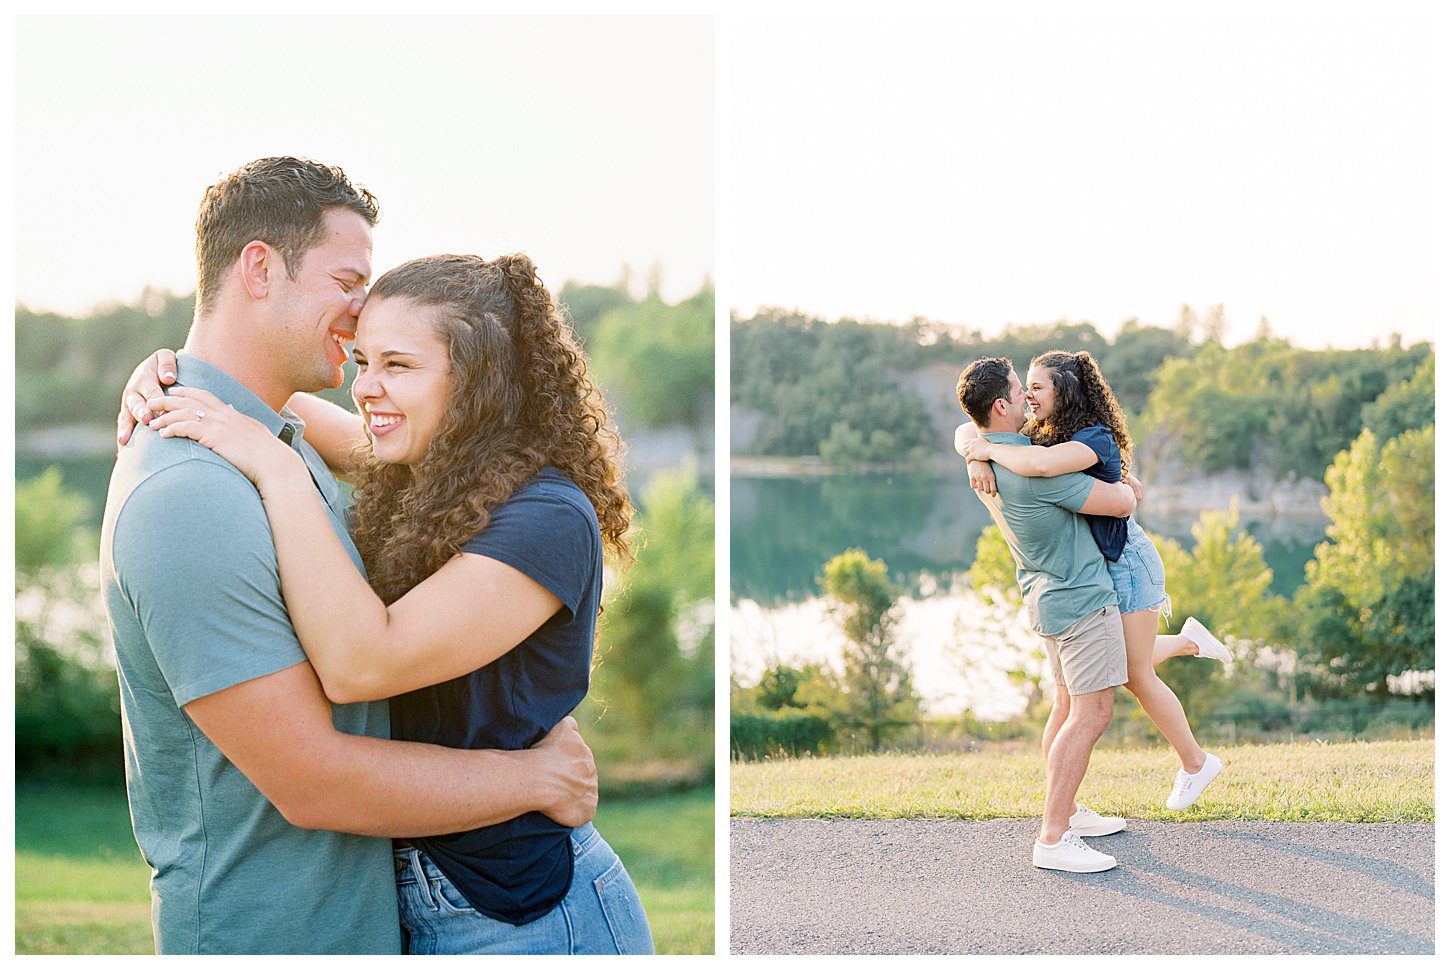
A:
(1391, 874)
(1319, 930)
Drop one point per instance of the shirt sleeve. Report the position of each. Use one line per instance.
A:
(547, 537)
(195, 562)
(1070, 491)
(1101, 441)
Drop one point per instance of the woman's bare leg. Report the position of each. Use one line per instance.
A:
(1174, 645)
(1157, 698)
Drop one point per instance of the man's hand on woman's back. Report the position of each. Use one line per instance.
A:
(568, 779)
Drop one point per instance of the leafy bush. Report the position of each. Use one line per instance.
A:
(1369, 600)
(653, 696)
(757, 736)
(67, 709)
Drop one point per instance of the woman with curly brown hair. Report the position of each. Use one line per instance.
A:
(1076, 425)
(488, 489)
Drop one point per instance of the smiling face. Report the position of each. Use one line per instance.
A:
(402, 387)
(319, 302)
(1041, 396)
(1016, 402)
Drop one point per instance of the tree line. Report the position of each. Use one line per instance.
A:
(656, 360)
(842, 390)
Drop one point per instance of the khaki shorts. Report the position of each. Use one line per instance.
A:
(1090, 655)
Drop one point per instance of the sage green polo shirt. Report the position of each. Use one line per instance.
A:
(189, 577)
(1060, 568)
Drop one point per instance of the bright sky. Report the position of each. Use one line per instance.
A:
(587, 143)
(992, 170)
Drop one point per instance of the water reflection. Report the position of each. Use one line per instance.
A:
(962, 652)
(783, 529)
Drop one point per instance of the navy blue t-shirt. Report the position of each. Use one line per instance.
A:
(519, 870)
(1109, 531)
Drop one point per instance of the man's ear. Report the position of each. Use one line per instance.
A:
(258, 262)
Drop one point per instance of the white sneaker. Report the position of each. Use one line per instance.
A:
(1208, 644)
(1189, 787)
(1085, 821)
(1071, 854)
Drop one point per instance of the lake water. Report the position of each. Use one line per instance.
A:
(925, 527)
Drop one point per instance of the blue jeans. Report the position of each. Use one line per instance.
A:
(600, 914)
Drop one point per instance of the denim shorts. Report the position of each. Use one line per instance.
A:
(1138, 576)
(601, 913)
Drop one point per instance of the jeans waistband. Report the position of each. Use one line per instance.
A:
(406, 855)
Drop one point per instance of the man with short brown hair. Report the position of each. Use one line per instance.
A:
(1070, 603)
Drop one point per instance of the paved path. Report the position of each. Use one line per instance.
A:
(815, 886)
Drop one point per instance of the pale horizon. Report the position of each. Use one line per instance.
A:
(484, 135)
(1020, 168)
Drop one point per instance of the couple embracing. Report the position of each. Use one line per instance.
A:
(1056, 485)
(347, 724)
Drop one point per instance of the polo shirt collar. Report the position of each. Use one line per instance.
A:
(194, 372)
(1007, 438)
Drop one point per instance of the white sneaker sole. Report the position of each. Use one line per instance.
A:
(1174, 807)
(1075, 866)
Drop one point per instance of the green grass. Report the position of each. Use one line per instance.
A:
(668, 845)
(1380, 781)
(81, 887)
(80, 884)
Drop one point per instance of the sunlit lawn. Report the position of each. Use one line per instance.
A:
(1380, 781)
(668, 845)
(81, 887)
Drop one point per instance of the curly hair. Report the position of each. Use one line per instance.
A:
(1081, 399)
(520, 400)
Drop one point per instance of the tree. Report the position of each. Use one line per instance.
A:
(655, 671)
(1224, 582)
(586, 303)
(1369, 591)
(1135, 354)
(879, 694)
(1186, 325)
(786, 691)
(791, 710)
(1404, 406)
(660, 359)
(778, 686)
(994, 571)
(994, 578)
(829, 389)
(1215, 325)
(67, 711)
(70, 370)
(48, 526)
